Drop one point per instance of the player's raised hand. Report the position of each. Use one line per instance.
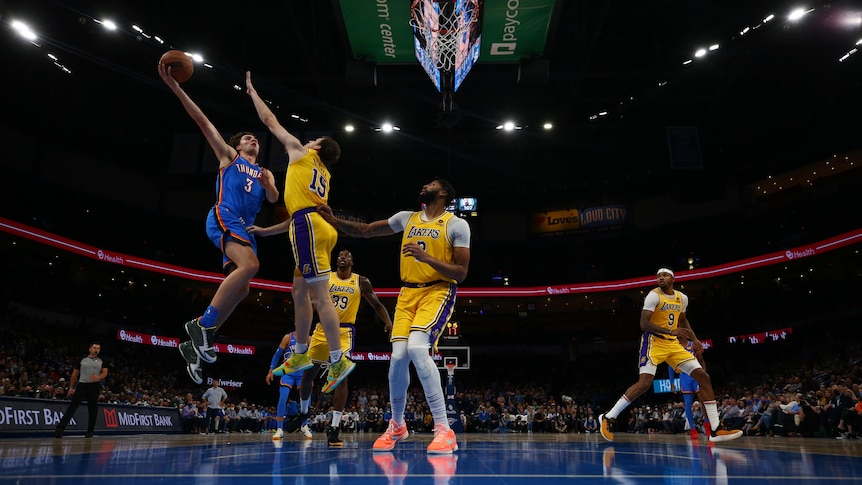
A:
(165, 74)
(249, 88)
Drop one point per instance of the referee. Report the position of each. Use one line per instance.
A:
(84, 386)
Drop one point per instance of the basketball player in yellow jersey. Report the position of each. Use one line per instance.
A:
(312, 239)
(346, 289)
(664, 323)
(435, 251)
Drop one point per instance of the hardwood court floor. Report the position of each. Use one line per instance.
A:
(482, 458)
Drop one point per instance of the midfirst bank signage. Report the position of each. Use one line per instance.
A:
(22, 415)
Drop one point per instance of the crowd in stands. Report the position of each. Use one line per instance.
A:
(799, 387)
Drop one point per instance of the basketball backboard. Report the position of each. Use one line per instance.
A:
(459, 355)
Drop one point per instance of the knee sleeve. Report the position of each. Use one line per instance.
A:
(399, 380)
(399, 366)
(399, 360)
(422, 361)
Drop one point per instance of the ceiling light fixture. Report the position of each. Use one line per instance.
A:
(387, 128)
(108, 24)
(798, 14)
(24, 30)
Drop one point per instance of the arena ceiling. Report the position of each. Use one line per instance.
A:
(770, 94)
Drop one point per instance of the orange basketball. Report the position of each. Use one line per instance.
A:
(181, 64)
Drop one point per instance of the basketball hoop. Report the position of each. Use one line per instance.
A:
(443, 27)
(450, 368)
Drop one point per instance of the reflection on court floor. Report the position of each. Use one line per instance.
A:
(512, 458)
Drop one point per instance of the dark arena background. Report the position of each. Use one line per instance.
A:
(590, 143)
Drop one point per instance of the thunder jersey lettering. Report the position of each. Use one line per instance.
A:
(239, 190)
(345, 296)
(433, 236)
(306, 183)
(666, 313)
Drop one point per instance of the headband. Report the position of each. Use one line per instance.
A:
(664, 270)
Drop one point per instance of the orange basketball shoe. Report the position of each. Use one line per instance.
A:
(443, 442)
(392, 435)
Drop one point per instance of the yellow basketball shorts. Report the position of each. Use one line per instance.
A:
(312, 240)
(424, 310)
(655, 350)
(318, 346)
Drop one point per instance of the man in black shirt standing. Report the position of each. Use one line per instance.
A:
(84, 386)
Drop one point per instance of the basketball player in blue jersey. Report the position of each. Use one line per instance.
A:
(689, 389)
(435, 249)
(287, 382)
(241, 187)
(664, 323)
(312, 239)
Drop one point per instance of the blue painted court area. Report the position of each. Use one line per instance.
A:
(482, 458)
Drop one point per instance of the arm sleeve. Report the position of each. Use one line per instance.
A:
(671, 374)
(276, 358)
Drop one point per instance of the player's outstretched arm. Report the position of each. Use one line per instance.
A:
(292, 145)
(224, 153)
(279, 228)
(354, 228)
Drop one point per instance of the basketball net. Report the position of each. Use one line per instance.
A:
(443, 32)
(450, 369)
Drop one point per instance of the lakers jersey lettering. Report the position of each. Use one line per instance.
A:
(336, 288)
(434, 238)
(671, 307)
(345, 296)
(667, 311)
(423, 232)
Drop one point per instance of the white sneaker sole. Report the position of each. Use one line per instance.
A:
(726, 437)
